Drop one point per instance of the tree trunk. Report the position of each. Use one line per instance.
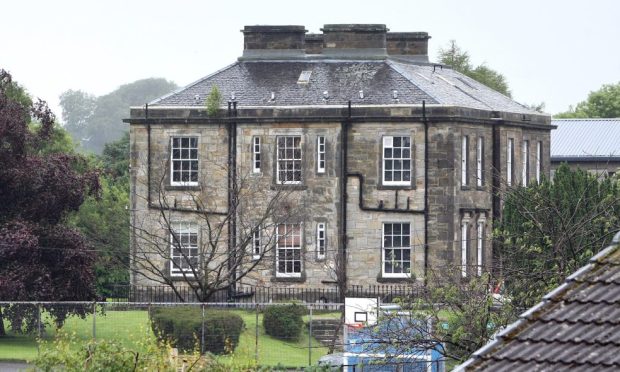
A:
(2, 331)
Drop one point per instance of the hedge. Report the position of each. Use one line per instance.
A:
(284, 322)
(182, 326)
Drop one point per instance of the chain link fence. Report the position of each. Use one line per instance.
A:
(310, 331)
(237, 336)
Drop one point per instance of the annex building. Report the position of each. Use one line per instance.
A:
(344, 156)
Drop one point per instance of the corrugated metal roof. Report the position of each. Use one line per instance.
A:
(576, 328)
(585, 138)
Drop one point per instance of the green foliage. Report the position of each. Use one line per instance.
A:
(213, 101)
(460, 61)
(105, 220)
(94, 121)
(550, 230)
(284, 322)
(464, 312)
(602, 103)
(183, 327)
(70, 353)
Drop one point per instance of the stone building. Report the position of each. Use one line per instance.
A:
(397, 164)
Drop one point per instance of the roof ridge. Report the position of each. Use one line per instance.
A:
(588, 342)
(580, 321)
(398, 70)
(192, 83)
(585, 119)
(548, 361)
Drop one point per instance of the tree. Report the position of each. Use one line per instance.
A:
(104, 219)
(452, 317)
(95, 121)
(602, 103)
(42, 258)
(460, 61)
(548, 231)
(210, 247)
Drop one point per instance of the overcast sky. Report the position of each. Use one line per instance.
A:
(550, 51)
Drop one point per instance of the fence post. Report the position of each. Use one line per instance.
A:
(202, 335)
(39, 328)
(95, 320)
(256, 338)
(310, 339)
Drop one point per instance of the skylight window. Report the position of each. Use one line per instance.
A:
(304, 77)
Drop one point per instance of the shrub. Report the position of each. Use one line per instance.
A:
(284, 322)
(67, 352)
(183, 327)
(213, 101)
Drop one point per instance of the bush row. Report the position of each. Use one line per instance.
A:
(182, 326)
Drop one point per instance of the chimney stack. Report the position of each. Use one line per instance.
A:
(273, 42)
(314, 43)
(355, 40)
(408, 44)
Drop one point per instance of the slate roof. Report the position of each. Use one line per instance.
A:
(252, 83)
(585, 139)
(575, 328)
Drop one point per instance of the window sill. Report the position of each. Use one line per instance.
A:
(396, 187)
(288, 187)
(289, 279)
(465, 188)
(182, 187)
(181, 278)
(393, 279)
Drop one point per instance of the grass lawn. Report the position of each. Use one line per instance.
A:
(272, 351)
(128, 327)
(123, 326)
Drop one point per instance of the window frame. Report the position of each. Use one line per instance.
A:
(465, 161)
(320, 154)
(256, 154)
(181, 160)
(403, 248)
(257, 245)
(295, 161)
(464, 245)
(509, 161)
(538, 161)
(402, 159)
(180, 229)
(525, 162)
(321, 241)
(480, 244)
(287, 274)
(480, 162)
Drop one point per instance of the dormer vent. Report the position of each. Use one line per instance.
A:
(326, 95)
